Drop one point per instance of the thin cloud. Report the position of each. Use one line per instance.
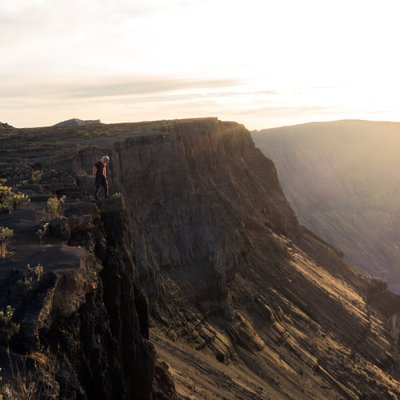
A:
(128, 87)
(39, 16)
(166, 90)
(67, 25)
(149, 86)
(290, 111)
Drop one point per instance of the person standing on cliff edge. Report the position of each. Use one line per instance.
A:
(100, 176)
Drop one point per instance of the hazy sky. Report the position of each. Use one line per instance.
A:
(260, 62)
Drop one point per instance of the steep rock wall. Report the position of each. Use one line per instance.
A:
(83, 324)
(228, 269)
(189, 188)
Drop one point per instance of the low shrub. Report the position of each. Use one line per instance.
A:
(8, 328)
(6, 234)
(42, 232)
(32, 275)
(54, 206)
(9, 199)
(36, 175)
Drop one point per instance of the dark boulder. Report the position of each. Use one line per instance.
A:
(59, 228)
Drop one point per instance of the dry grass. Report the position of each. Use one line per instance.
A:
(22, 385)
(6, 234)
(54, 206)
(9, 199)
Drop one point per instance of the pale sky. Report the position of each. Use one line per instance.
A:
(263, 63)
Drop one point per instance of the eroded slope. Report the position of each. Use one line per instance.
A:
(342, 180)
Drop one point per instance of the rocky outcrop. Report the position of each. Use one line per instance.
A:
(77, 122)
(4, 125)
(81, 319)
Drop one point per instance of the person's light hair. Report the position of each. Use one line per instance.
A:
(105, 158)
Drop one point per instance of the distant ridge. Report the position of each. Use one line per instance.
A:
(77, 122)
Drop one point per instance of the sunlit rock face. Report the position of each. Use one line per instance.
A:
(342, 180)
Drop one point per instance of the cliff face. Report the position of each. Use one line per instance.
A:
(81, 322)
(244, 302)
(189, 189)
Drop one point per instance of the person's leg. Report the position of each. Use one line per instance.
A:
(105, 185)
(97, 184)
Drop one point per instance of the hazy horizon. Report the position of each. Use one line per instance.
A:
(255, 130)
(262, 63)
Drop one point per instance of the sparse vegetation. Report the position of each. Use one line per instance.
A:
(33, 274)
(8, 328)
(6, 234)
(36, 272)
(22, 384)
(36, 175)
(54, 206)
(84, 134)
(9, 199)
(42, 232)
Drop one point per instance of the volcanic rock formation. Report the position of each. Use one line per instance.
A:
(244, 302)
